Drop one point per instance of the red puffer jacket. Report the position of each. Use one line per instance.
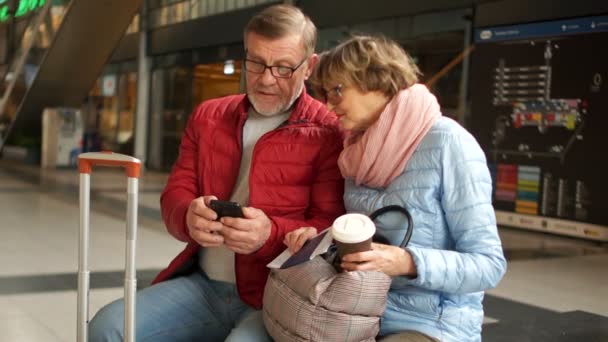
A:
(294, 179)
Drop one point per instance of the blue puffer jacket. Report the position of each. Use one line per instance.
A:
(446, 187)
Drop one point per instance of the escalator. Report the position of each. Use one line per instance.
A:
(67, 69)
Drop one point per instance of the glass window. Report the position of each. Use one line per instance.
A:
(108, 121)
(175, 92)
(115, 97)
(171, 100)
(127, 98)
(433, 54)
(216, 80)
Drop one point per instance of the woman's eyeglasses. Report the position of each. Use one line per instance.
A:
(333, 96)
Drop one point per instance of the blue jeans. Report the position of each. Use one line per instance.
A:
(189, 308)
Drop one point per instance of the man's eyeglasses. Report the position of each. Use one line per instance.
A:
(278, 71)
(333, 95)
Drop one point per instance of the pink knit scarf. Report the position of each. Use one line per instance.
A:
(378, 155)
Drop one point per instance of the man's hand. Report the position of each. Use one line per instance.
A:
(201, 223)
(246, 235)
(294, 240)
(392, 260)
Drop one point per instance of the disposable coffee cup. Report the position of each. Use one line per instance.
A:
(353, 233)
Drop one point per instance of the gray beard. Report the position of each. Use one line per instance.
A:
(280, 110)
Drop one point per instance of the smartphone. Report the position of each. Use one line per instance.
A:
(226, 209)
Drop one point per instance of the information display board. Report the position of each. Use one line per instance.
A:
(539, 110)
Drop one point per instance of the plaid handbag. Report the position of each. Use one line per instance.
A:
(314, 302)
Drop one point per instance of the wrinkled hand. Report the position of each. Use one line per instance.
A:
(202, 227)
(296, 239)
(246, 235)
(391, 260)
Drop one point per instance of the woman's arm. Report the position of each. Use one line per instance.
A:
(476, 262)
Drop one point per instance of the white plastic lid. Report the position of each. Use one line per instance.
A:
(353, 228)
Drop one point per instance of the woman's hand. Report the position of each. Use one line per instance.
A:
(296, 239)
(391, 260)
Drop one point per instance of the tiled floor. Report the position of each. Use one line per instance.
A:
(555, 289)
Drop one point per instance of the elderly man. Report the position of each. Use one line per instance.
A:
(274, 151)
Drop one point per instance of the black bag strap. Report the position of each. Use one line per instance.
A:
(403, 210)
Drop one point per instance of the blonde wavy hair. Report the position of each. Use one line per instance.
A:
(368, 63)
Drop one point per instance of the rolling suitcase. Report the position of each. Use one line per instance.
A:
(86, 161)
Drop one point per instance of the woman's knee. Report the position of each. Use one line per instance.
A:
(249, 329)
(108, 323)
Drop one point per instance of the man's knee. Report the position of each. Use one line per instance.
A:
(108, 323)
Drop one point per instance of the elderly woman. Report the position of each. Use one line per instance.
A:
(400, 150)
